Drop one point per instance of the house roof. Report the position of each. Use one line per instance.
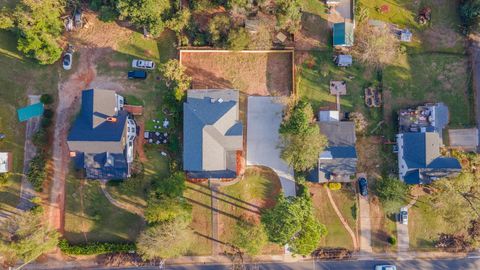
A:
(344, 59)
(441, 117)
(91, 132)
(30, 111)
(212, 130)
(339, 133)
(105, 166)
(412, 177)
(343, 34)
(419, 149)
(337, 161)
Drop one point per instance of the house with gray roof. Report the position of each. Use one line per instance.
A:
(102, 137)
(338, 162)
(419, 143)
(213, 134)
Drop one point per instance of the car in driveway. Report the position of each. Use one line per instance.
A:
(385, 267)
(143, 64)
(68, 58)
(403, 216)
(363, 186)
(137, 74)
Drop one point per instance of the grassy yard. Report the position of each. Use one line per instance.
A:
(315, 32)
(424, 225)
(337, 236)
(89, 216)
(441, 34)
(383, 226)
(246, 199)
(199, 195)
(19, 76)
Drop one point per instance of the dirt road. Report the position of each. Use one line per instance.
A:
(69, 91)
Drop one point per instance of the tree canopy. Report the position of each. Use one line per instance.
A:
(219, 27)
(148, 13)
(470, 12)
(176, 78)
(39, 26)
(289, 14)
(25, 237)
(301, 138)
(390, 189)
(292, 222)
(165, 240)
(249, 237)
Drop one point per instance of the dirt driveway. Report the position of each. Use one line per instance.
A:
(254, 73)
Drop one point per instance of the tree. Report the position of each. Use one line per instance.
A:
(301, 151)
(292, 222)
(165, 240)
(262, 40)
(25, 237)
(46, 99)
(470, 12)
(148, 13)
(457, 200)
(39, 26)
(289, 15)
(167, 209)
(218, 27)
(391, 189)
(171, 187)
(301, 138)
(238, 39)
(307, 240)
(179, 21)
(375, 46)
(249, 237)
(175, 75)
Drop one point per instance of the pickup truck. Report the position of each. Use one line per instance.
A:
(137, 74)
(143, 64)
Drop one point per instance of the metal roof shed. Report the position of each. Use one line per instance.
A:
(343, 34)
(344, 60)
(30, 111)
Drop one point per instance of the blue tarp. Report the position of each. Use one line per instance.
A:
(30, 111)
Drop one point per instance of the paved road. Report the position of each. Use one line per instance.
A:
(450, 264)
(365, 225)
(26, 189)
(475, 58)
(263, 120)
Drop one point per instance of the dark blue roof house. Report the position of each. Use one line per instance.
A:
(101, 138)
(338, 162)
(419, 142)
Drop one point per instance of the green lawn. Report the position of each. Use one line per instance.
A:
(337, 236)
(199, 196)
(18, 76)
(246, 199)
(424, 224)
(89, 216)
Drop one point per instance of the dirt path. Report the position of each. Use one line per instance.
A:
(342, 219)
(127, 207)
(69, 91)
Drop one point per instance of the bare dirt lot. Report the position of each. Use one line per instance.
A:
(254, 73)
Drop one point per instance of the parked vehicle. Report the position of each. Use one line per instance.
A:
(385, 267)
(68, 58)
(363, 186)
(137, 74)
(2, 136)
(144, 64)
(403, 216)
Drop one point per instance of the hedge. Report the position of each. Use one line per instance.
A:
(95, 248)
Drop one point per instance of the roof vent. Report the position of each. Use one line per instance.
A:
(220, 100)
(112, 119)
(212, 100)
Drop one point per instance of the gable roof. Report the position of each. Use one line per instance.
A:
(419, 149)
(91, 132)
(339, 133)
(212, 130)
(343, 34)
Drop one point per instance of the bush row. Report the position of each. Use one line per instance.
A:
(95, 248)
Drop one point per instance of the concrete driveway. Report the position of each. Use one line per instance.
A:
(365, 225)
(263, 120)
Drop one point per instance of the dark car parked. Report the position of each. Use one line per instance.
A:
(137, 74)
(363, 186)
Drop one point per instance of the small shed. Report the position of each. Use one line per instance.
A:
(343, 60)
(30, 111)
(252, 25)
(343, 34)
(405, 35)
(5, 162)
(338, 88)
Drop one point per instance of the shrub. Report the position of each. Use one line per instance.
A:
(238, 40)
(392, 240)
(46, 99)
(108, 14)
(46, 123)
(37, 171)
(95, 248)
(334, 186)
(40, 138)
(48, 113)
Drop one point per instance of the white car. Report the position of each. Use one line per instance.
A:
(68, 58)
(144, 64)
(403, 216)
(385, 267)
